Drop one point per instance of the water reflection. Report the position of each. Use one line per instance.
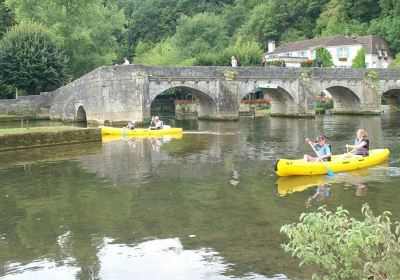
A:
(358, 178)
(154, 259)
(206, 201)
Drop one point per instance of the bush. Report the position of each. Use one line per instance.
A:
(359, 59)
(30, 60)
(344, 247)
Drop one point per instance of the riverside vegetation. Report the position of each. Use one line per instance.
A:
(75, 37)
(345, 248)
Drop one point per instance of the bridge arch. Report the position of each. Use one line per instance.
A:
(282, 101)
(204, 105)
(390, 100)
(344, 98)
(81, 114)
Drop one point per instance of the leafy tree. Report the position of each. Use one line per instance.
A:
(396, 62)
(163, 53)
(151, 21)
(248, 53)
(199, 34)
(86, 30)
(344, 247)
(389, 28)
(6, 18)
(30, 60)
(282, 20)
(333, 19)
(322, 54)
(359, 59)
(362, 10)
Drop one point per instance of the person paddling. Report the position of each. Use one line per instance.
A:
(158, 124)
(323, 150)
(361, 144)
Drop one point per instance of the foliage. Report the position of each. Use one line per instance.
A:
(30, 60)
(150, 21)
(93, 33)
(200, 34)
(5, 91)
(396, 62)
(87, 30)
(344, 247)
(359, 59)
(6, 18)
(322, 54)
(276, 63)
(389, 28)
(164, 53)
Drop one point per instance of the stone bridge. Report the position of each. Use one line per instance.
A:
(123, 92)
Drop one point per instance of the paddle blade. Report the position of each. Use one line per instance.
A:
(330, 172)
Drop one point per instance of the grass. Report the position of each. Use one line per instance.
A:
(264, 111)
(7, 131)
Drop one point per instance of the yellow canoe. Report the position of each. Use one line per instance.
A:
(107, 130)
(111, 137)
(290, 167)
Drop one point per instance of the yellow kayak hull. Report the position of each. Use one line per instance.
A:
(110, 137)
(107, 130)
(291, 167)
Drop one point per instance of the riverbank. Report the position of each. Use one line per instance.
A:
(18, 138)
(14, 118)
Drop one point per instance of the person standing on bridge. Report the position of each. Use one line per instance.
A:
(126, 61)
(234, 62)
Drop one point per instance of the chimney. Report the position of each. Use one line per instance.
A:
(271, 46)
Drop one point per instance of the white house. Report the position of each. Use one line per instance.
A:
(343, 50)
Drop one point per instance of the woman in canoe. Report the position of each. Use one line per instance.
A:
(361, 144)
(323, 150)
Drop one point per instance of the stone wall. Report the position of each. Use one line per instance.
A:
(27, 105)
(124, 92)
(37, 139)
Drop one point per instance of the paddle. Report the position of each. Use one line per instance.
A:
(152, 119)
(330, 172)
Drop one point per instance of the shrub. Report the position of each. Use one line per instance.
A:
(359, 59)
(344, 247)
(30, 60)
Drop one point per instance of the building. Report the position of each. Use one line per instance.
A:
(343, 50)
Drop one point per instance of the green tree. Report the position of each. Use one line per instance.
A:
(200, 34)
(6, 18)
(345, 248)
(86, 30)
(389, 28)
(163, 53)
(323, 55)
(396, 62)
(30, 60)
(359, 59)
(333, 19)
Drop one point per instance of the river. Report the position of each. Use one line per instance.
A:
(203, 206)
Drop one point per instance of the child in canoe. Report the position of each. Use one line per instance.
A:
(323, 150)
(361, 145)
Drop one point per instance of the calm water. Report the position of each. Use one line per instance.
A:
(206, 206)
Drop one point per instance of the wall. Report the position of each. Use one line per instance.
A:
(125, 92)
(27, 105)
(353, 49)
